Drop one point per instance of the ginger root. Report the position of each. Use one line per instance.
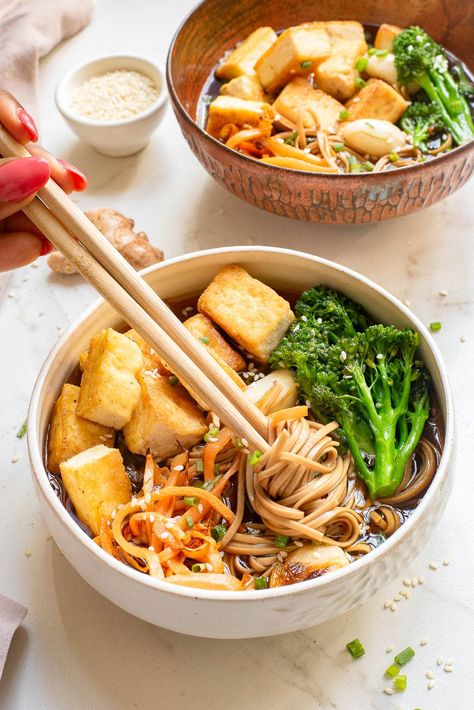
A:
(118, 229)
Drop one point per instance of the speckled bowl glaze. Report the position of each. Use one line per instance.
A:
(254, 613)
(217, 25)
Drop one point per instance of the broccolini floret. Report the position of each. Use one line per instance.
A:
(418, 58)
(368, 380)
(422, 121)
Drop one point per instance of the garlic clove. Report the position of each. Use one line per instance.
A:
(373, 136)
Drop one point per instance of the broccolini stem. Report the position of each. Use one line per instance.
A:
(425, 82)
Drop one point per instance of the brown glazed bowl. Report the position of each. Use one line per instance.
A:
(217, 25)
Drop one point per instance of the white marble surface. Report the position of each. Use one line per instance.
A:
(77, 651)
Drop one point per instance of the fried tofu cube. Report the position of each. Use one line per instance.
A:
(203, 329)
(385, 36)
(151, 359)
(297, 51)
(253, 314)
(109, 387)
(230, 109)
(377, 100)
(165, 421)
(243, 59)
(300, 92)
(70, 434)
(336, 75)
(245, 87)
(96, 483)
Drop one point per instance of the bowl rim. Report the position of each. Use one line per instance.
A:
(39, 470)
(63, 84)
(384, 176)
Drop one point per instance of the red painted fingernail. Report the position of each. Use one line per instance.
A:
(23, 177)
(28, 124)
(78, 178)
(46, 247)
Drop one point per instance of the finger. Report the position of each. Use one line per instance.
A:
(68, 177)
(16, 120)
(19, 222)
(20, 248)
(20, 180)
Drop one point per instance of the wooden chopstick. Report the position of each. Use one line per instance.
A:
(139, 305)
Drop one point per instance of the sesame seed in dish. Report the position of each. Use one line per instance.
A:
(114, 96)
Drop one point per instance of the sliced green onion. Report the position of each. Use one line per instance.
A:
(306, 65)
(211, 434)
(360, 82)
(372, 51)
(344, 115)
(217, 469)
(392, 670)
(255, 457)
(238, 442)
(400, 682)
(204, 339)
(198, 567)
(368, 166)
(199, 466)
(261, 582)
(361, 64)
(208, 485)
(435, 326)
(356, 168)
(404, 656)
(21, 431)
(173, 380)
(281, 541)
(381, 52)
(290, 140)
(393, 157)
(218, 532)
(338, 147)
(190, 500)
(355, 648)
(189, 521)
(198, 484)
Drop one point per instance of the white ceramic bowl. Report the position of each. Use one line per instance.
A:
(115, 138)
(254, 613)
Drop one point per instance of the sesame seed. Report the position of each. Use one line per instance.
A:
(379, 356)
(389, 648)
(407, 302)
(424, 641)
(11, 295)
(429, 675)
(414, 581)
(448, 669)
(102, 438)
(439, 661)
(388, 691)
(448, 662)
(147, 498)
(421, 580)
(445, 563)
(431, 684)
(151, 518)
(15, 458)
(28, 554)
(298, 543)
(245, 375)
(387, 604)
(407, 582)
(179, 467)
(405, 593)
(462, 339)
(151, 548)
(393, 606)
(398, 597)
(34, 266)
(343, 356)
(433, 565)
(200, 508)
(209, 567)
(443, 292)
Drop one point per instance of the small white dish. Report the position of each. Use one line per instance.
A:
(124, 136)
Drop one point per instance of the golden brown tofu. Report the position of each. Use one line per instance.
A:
(297, 51)
(203, 329)
(109, 387)
(166, 420)
(70, 434)
(243, 59)
(385, 36)
(246, 87)
(299, 93)
(230, 109)
(336, 75)
(96, 483)
(151, 359)
(253, 314)
(377, 100)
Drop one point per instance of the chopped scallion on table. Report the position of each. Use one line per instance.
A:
(435, 326)
(355, 648)
(21, 431)
(400, 682)
(404, 656)
(392, 670)
(260, 582)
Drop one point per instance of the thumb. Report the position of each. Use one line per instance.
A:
(21, 178)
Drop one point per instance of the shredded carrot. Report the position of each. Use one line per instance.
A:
(224, 582)
(211, 450)
(290, 413)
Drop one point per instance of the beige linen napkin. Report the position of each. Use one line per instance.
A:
(11, 616)
(29, 29)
